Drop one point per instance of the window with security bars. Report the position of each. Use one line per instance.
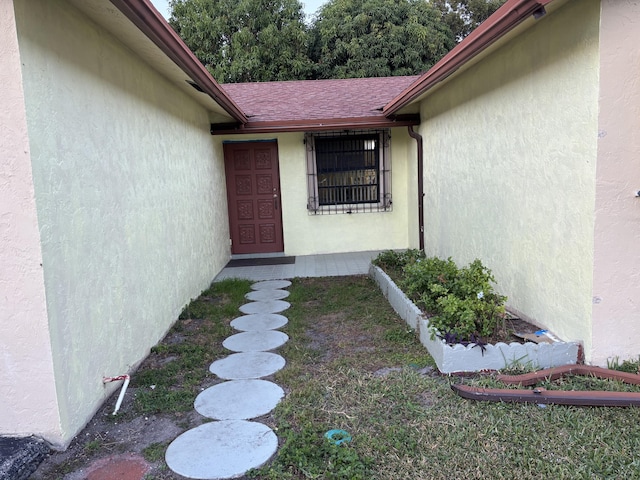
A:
(348, 172)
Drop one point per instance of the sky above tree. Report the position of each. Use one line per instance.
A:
(310, 6)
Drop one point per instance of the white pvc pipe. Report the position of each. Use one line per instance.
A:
(126, 379)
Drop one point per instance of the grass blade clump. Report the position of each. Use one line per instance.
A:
(172, 376)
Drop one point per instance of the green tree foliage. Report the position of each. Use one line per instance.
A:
(463, 16)
(267, 40)
(245, 40)
(376, 38)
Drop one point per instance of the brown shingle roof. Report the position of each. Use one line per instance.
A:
(309, 104)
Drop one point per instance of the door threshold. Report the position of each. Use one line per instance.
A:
(241, 256)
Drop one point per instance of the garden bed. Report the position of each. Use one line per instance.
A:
(472, 358)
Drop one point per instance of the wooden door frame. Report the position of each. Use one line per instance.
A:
(257, 198)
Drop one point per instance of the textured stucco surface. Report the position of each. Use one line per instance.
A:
(130, 199)
(27, 394)
(616, 286)
(306, 234)
(510, 158)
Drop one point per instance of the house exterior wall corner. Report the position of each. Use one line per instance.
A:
(130, 197)
(28, 399)
(616, 275)
(510, 165)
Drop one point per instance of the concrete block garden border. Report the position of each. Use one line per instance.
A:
(460, 358)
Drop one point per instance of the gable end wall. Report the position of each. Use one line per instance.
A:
(510, 159)
(130, 196)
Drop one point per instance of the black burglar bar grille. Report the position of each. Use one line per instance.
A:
(348, 170)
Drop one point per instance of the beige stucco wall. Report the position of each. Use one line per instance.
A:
(28, 402)
(130, 198)
(510, 155)
(616, 284)
(306, 234)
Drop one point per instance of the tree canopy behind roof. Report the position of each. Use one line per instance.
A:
(245, 40)
(268, 40)
(376, 38)
(463, 16)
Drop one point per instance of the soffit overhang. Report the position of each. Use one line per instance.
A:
(139, 26)
(329, 124)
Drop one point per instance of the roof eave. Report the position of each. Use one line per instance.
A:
(505, 19)
(316, 125)
(147, 19)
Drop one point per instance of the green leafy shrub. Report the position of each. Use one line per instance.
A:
(461, 301)
(397, 260)
(428, 280)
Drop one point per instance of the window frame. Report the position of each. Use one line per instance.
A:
(384, 203)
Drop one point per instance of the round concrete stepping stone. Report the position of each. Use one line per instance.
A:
(259, 321)
(256, 341)
(240, 366)
(239, 399)
(218, 450)
(264, 295)
(271, 285)
(270, 306)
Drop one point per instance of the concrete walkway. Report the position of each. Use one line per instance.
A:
(330, 265)
(232, 444)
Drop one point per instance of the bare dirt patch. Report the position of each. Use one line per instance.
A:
(106, 435)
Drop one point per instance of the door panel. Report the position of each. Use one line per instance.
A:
(253, 194)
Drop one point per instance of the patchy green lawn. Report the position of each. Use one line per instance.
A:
(352, 364)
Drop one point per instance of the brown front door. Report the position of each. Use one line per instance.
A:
(253, 195)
